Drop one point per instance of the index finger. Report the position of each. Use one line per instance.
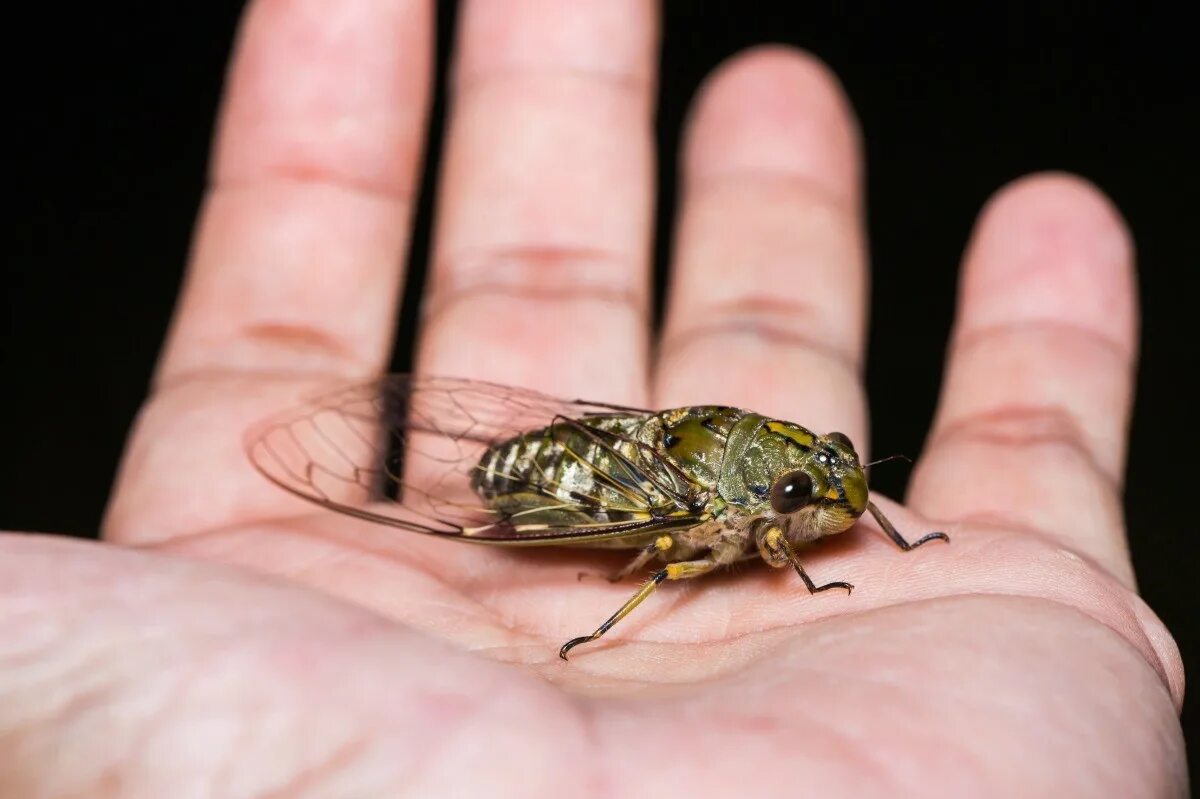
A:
(299, 248)
(298, 253)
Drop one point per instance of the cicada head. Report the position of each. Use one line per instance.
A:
(818, 490)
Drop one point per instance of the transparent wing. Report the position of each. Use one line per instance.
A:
(406, 451)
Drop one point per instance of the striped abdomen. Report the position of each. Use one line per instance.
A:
(568, 462)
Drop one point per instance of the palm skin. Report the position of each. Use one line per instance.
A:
(240, 642)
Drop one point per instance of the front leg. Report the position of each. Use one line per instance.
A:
(894, 534)
(777, 551)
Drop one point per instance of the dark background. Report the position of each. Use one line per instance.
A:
(113, 114)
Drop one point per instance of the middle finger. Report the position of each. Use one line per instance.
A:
(767, 300)
(542, 246)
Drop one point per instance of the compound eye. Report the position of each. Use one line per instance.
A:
(842, 439)
(791, 492)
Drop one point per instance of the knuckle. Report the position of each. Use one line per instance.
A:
(535, 273)
(1051, 433)
(775, 322)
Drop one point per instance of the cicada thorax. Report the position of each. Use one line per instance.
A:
(771, 450)
(695, 440)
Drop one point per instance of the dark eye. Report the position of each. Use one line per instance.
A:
(842, 439)
(791, 492)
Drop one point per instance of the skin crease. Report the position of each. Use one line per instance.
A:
(228, 640)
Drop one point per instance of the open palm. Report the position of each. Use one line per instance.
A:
(1017, 660)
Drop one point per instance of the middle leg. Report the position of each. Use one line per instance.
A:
(658, 546)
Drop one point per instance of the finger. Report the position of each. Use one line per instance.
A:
(301, 239)
(297, 257)
(541, 269)
(1031, 427)
(767, 295)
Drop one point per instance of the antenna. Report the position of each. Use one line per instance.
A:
(888, 458)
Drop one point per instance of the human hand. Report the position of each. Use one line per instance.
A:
(1017, 660)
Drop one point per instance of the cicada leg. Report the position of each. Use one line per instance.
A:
(894, 534)
(684, 570)
(780, 550)
(659, 545)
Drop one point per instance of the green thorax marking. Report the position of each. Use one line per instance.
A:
(695, 439)
(758, 451)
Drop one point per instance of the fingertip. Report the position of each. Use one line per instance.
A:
(1050, 184)
(774, 109)
(328, 92)
(1061, 206)
(1051, 247)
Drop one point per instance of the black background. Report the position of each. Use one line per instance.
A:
(115, 106)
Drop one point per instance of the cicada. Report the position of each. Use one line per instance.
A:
(692, 489)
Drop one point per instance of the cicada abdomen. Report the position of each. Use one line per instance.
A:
(591, 470)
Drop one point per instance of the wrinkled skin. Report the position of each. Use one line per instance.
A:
(228, 640)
